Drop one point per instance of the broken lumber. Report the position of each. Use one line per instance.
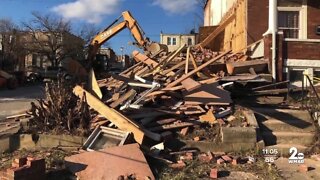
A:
(176, 82)
(115, 117)
(123, 98)
(244, 66)
(171, 126)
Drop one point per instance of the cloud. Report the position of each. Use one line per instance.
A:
(177, 6)
(91, 11)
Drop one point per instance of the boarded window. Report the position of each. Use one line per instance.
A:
(288, 21)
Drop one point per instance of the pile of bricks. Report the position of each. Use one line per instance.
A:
(26, 168)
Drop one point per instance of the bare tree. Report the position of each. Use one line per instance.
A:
(198, 15)
(11, 48)
(51, 37)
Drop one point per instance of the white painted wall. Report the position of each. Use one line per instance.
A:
(215, 10)
(181, 39)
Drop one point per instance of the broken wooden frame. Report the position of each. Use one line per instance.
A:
(103, 137)
(121, 121)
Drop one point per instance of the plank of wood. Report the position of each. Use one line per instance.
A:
(244, 66)
(93, 84)
(176, 53)
(217, 31)
(208, 117)
(143, 58)
(125, 72)
(123, 98)
(167, 71)
(171, 126)
(190, 84)
(270, 85)
(115, 117)
(187, 61)
(176, 88)
(176, 82)
(208, 94)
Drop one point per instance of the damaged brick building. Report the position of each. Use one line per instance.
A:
(252, 26)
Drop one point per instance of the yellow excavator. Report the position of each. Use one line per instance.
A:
(136, 31)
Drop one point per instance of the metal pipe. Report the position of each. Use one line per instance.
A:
(273, 26)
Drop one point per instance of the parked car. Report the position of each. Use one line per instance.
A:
(35, 73)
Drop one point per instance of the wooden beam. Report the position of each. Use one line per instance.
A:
(187, 61)
(244, 66)
(194, 63)
(190, 84)
(217, 31)
(176, 82)
(121, 121)
(173, 68)
(123, 98)
(177, 52)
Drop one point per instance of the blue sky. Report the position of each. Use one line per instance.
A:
(170, 16)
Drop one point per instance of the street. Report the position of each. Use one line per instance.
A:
(18, 100)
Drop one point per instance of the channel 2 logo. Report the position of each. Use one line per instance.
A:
(295, 158)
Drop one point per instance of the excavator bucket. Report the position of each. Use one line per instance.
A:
(154, 48)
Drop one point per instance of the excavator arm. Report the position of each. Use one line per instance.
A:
(130, 23)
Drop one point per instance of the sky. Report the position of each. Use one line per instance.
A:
(154, 16)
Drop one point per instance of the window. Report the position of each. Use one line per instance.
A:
(296, 75)
(171, 41)
(174, 41)
(288, 21)
(189, 41)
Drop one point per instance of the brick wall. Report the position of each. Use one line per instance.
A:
(25, 169)
(313, 18)
(205, 31)
(258, 12)
(302, 50)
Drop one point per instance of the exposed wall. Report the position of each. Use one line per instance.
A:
(313, 18)
(302, 50)
(257, 23)
(215, 10)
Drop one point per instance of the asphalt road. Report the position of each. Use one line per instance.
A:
(18, 100)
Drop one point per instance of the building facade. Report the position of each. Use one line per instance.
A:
(242, 25)
(174, 41)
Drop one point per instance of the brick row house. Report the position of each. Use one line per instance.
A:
(30, 52)
(286, 32)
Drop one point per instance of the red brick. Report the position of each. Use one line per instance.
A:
(184, 131)
(17, 172)
(19, 162)
(235, 162)
(303, 168)
(178, 165)
(220, 161)
(196, 138)
(226, 158)
(205, 158)
(214, 174)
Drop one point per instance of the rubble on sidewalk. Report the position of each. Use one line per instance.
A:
(25, 168)
(110, 163)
